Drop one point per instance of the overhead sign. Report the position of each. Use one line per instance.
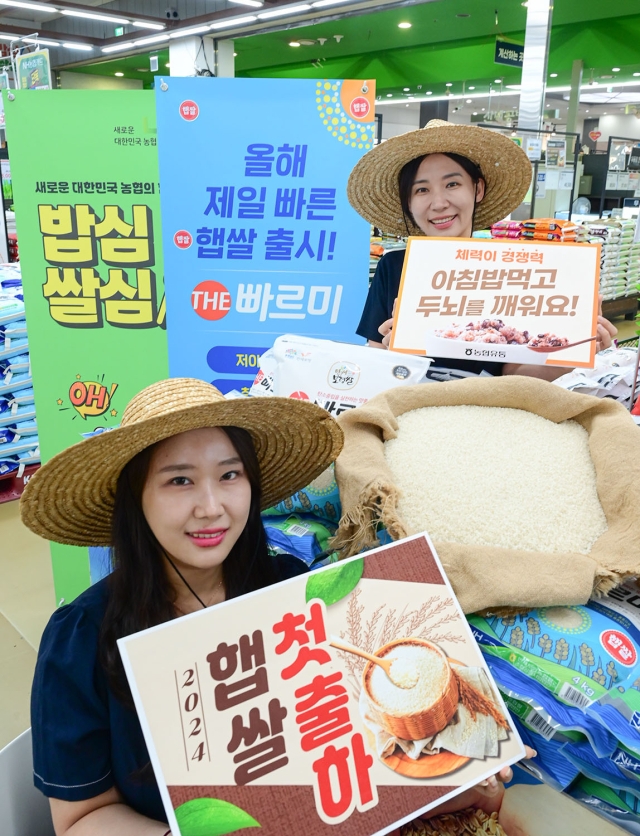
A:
(255, 718)
(510, 54)
(259, 237)
(34, 70)
(501, 301)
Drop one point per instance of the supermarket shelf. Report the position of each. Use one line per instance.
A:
(12, 485)
(626, 306)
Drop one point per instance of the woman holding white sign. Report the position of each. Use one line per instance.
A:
(177, 492)
(444, 180)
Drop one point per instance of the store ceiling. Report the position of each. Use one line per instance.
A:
(440, 47)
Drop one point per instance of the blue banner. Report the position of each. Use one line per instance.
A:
(259, 237)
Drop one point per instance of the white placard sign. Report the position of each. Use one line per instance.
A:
(498, 300)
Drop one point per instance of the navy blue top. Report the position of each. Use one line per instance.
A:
(379, 307)
(85, 740)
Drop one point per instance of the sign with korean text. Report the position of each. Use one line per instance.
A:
(509, 54)
(259, 236)
(34, 70)
(253, 717)
(508, 302)
(87, 214)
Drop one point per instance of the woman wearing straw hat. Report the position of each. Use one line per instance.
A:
(443, 180)
(176, 491)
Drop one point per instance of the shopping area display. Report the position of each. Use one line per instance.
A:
(19, 446)
(570, 674)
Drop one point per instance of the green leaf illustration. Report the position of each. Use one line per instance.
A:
(211, 817)
(334, 584)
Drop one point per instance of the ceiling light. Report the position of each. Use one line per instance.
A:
(255, 3)
(498, 81)
(615, 69)
(92, 16)
(320, 3)
(153, 39)
(144, 25)
(119, 47)
(475, 112)
(235, 54)
(448, 84)
(469, 101)
(389, 95)
(605, 113)
(39, 41)
(294, 43)
(587, 110)
(168, 65)
(83, 47)
(472, 88)
(429, 93)
(36, 7)
(404, 25)
(119, 74)
(525, 4)
(406, 89)
(285, 10)
(233, 21)
(183, 33)
(553, 75)
(483, 110)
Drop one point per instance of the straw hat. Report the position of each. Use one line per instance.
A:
(70, 499)
(373, 184)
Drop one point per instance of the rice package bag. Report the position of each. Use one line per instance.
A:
(306, 537)
(336, 376)
(587, 657)
(321, 498)
(620, 807)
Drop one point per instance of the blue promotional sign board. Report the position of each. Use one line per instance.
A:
(259, 237)
(512, 55)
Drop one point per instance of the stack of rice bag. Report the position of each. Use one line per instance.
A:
(571, 679)
(19, 445)
(507, 229)
(537, 229)
(620, 257)
(303, 524)
(549, 229)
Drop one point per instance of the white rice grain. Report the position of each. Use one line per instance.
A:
(495, 476)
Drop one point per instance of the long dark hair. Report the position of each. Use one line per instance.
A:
(140, 593)
(407, 177)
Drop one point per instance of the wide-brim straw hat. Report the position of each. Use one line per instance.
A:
(373, 189)
(70, 499)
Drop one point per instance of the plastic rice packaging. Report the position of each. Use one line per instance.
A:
(11, 309)
(305, 537)
(617, 806)
(336, 376)
(321, 498)
(587, 657)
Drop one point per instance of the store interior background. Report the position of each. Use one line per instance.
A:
(440, 66)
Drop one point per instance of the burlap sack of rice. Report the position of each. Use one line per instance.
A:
(490, 576)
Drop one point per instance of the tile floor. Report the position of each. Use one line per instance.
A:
(27, 600)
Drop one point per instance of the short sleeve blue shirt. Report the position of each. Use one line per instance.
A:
(85, 740)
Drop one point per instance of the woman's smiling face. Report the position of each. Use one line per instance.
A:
(197, 497)
(442, 197)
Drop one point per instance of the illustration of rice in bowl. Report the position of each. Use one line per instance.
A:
(424, 704)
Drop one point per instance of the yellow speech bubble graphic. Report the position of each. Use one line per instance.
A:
(91, 398)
